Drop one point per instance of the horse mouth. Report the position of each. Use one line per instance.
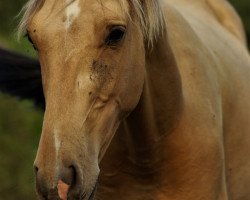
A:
(92, 194)
(54, 195)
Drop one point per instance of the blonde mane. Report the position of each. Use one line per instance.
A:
(149, 13)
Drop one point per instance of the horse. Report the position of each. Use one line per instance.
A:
(145, 99)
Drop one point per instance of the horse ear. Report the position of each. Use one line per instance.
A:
(21, 76)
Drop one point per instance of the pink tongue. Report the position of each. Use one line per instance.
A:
(63, 189)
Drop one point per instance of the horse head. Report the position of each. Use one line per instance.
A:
(92, 56)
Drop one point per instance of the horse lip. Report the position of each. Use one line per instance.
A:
(92, 194)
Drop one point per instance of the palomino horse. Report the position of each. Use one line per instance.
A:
(163, 84)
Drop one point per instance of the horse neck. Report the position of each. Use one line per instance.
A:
(158, 110)
(139, 142)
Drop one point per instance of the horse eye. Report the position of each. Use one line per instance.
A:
(115, 36)
(30, 40)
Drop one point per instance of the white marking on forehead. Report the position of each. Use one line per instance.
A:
(72, 12)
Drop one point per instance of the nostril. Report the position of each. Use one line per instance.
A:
(74, 175)
(35, 169)
(67, 181)
(42, 187)
(69, 175)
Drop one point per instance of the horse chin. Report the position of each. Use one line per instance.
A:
(85, 187)
(92, 194)
(79, 194)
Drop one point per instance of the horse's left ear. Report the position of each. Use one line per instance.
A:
(21, 76)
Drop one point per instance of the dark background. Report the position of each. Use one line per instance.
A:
(20, 121)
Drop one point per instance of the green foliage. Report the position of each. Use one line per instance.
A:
(8, 15)
(20, 126)
(243, 8)
(20, 121)
(9, 19)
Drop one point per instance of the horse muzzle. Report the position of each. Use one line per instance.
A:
(70, 150)
(67, 184)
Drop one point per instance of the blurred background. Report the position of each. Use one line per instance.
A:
(21, 121)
